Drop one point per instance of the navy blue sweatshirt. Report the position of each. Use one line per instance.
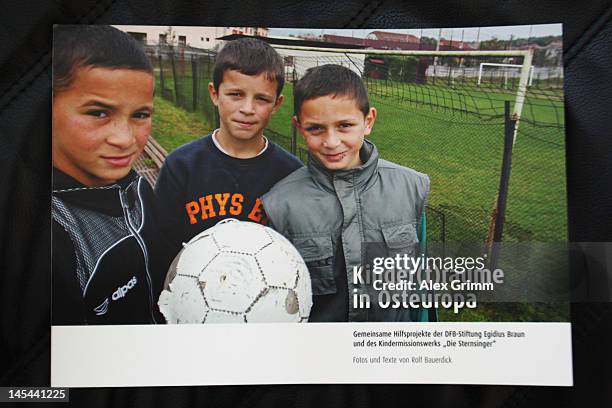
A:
(199, 186)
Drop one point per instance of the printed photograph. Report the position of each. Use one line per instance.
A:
(254, 174)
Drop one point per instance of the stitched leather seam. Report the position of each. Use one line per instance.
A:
(363, 14)
(586, 37)
(22, 83)
(25, 81)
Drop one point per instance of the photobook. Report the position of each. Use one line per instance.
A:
(257, 205)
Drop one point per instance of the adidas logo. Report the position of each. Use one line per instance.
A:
(102, 309)
(122, 290)
(118, 294)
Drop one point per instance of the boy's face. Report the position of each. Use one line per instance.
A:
(101, 123)
(334, 128)
(245, 104)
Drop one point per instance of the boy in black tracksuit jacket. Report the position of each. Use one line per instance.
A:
(224, 174)
(107, 267)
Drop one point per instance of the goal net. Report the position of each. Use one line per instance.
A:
(439, 115)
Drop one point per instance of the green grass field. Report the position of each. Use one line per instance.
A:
(174, 126)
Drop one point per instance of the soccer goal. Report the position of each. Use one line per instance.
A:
(435, 116)
(390, 72)
(505, 73)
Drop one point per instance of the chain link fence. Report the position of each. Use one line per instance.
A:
(182, 77)
(438, 116)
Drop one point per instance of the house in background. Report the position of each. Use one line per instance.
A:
(394, 37)
(197, 37)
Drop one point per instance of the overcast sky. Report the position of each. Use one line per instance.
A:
(469, 33)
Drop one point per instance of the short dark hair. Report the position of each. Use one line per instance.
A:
(77, 46)
(250, 56)
(330, 79)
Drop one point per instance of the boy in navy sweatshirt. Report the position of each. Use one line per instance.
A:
(224, 174)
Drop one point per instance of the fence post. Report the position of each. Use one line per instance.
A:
(293, 129)
(194, 83)
(207, 107)
(496, 227)
(176, 93)
(162, 82)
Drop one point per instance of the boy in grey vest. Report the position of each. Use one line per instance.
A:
(346, 200)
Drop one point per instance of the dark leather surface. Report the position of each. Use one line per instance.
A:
(25, 101)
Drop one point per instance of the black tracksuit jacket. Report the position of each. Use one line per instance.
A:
(106, 257)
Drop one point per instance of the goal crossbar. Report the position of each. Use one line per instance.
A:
(426, 53)
(493, 64)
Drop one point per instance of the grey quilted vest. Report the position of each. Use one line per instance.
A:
(379, 203)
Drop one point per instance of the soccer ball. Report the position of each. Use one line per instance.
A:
(237, 272)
